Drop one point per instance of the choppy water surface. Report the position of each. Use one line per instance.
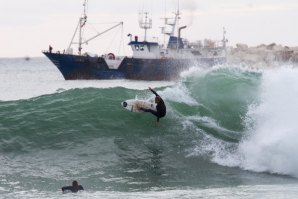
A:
(229, 132)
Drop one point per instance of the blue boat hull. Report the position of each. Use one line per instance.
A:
(76, 67)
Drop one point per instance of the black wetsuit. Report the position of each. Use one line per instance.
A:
(72, 188)
(160, 107)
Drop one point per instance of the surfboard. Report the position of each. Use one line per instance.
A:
(134, 105)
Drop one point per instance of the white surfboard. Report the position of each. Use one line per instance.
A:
(134, 105)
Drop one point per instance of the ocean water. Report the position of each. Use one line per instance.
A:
(230, 132)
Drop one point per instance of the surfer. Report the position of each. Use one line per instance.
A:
(74, 188)
(160, 107)
(50, 49)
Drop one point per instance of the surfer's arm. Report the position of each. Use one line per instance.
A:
(155, 93)
(69, 188)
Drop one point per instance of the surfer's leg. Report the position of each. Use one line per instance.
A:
(150, 111)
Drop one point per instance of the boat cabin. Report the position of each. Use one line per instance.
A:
(144, 49)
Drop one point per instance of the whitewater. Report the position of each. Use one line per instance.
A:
(231, 131)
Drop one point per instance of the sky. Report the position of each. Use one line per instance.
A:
(27, 27)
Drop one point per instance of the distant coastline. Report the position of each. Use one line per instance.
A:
(256, 56)
(262, 55)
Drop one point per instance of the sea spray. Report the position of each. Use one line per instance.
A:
(271, 144)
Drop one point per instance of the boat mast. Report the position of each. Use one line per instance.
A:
(163, 28)
(82, 22)
(174, 24)
(145, 24)
(224, 41)
(79, 31)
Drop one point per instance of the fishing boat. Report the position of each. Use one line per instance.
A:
(150, 60)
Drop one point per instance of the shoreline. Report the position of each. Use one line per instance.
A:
(256, 56)
(262, 55)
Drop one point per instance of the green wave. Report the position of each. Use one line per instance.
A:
(66, 119)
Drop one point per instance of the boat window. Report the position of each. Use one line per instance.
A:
(137, 47)
(142, 47)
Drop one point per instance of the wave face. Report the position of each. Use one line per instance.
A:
(220, 122)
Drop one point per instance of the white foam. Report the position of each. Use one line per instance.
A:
(179, 93)
(193, 71)
(231, 192)
(218, 150)
(272, 143)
